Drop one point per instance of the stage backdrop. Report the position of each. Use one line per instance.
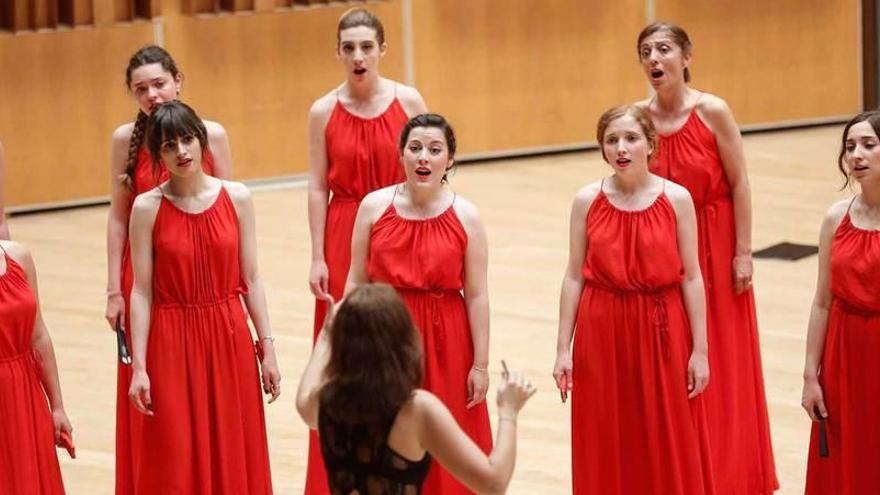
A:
(514, 76)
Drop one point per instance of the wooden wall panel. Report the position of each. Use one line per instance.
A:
(510, 74)
(258, 75)
(777, 60)
(513, 74)
(58, 111)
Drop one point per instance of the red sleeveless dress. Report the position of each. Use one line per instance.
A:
(424, 261)
(126, 416)
(736, 407)
(634, 430)
(362, 156)
(28, 462)
(850, 372)
(208, 434)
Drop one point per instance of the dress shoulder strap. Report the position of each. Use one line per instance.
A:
(5, 254)
(602, 185)
(849, 206)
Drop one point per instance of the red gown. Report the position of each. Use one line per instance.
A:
(362, 156)
(850, 372)
(208, 434)
(28, 462)
(424, 261)
(126, 417)
(736, 407)
(634, 430)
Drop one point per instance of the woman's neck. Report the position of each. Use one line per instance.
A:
(871, 195)
(365, 90)
(188, 187)
(422, 198)
(673, 98)
(632, 183)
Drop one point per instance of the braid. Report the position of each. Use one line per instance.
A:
(137, 139)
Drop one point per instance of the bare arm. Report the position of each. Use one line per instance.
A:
(730, 148)
(43, 348)
(117, 224)
(218, 142)
(143, 216)
(440, 434)
(4, 226)
(813, 396)
(368, 212)
(692, 289)
(476, 296)
(319, 195)
(572, 284)
(312, 380)
(255, 297)
(412, 101)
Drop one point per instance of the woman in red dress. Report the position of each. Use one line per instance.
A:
(701, 149)
(430, 245)
(29, 431)
(194, 375)
(842, 372)
(153, 78)
(353, 133)
(633, 299)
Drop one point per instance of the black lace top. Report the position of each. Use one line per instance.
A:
(360, 462)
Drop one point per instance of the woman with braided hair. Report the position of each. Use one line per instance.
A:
(153, 78)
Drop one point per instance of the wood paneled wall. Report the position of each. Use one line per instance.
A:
(774, 61)
(61, 96)
(259, 74)
(511, 75)
(518, 74)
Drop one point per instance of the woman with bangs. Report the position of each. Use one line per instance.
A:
(701, 149)
(152, 78)
(353, 132)
(194, 375)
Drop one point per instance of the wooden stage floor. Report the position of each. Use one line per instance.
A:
(525, 205)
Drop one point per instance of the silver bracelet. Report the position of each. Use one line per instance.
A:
(477, 368)
(269, 338)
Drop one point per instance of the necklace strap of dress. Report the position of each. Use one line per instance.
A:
(602, 185)
(849, 206)
(5, 254)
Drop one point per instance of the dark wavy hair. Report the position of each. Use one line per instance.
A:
(375, 358)
(172, 120)
(873, 118)
(678, 35)
(151, 54)
(436, 121)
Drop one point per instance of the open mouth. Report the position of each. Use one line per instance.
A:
(185, 162)
(423, 172)
(656, 74)
(860, 168)
(623, 162)
(360, 71)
